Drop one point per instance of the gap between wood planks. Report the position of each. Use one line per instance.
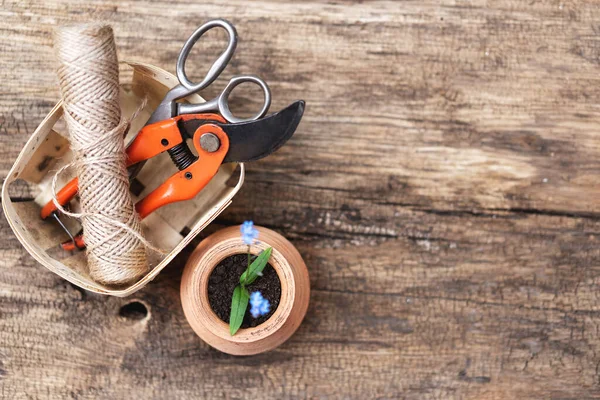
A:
(590, 313)
(483, 212)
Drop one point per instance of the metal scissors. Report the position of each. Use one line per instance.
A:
(169, 107)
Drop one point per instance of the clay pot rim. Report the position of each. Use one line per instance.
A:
(293, 276)
(286, 301)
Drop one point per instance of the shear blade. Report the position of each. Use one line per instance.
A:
(253, 140)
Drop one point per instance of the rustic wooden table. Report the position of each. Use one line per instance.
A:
(443, 188)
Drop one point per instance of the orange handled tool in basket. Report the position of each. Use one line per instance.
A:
(217, 136)
(214, 140)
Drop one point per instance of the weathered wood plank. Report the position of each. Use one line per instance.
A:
(374, 327)
(462, 107)
(443, 189)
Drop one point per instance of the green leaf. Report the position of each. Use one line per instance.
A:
(239, 304)
(257, 266)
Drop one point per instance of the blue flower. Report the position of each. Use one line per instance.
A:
(259, 305)
(256, 299)
(249, 232)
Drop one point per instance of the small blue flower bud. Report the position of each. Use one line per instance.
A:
(265, 307)
(259, 305)
(249, 232)
(255, 312)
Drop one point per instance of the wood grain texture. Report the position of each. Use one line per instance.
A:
(443, 189)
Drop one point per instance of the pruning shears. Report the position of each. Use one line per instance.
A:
(216, 134)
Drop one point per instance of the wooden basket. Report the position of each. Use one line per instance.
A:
(170, 228)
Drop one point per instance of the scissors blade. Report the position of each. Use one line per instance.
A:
(253, 140)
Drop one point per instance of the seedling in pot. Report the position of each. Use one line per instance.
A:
(241, 297)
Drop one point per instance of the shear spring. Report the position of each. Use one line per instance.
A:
(182, 156)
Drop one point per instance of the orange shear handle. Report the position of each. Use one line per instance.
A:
(150, 141)
(186, 184)
(63, 196)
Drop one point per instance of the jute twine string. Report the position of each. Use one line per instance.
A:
(89, 83)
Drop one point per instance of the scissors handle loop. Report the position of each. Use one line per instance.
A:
(220, 63)
(220, 103)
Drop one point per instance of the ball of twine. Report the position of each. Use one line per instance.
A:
(89, 83)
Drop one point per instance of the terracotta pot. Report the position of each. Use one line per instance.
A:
(295, 292)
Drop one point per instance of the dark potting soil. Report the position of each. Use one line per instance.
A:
(226, 276)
